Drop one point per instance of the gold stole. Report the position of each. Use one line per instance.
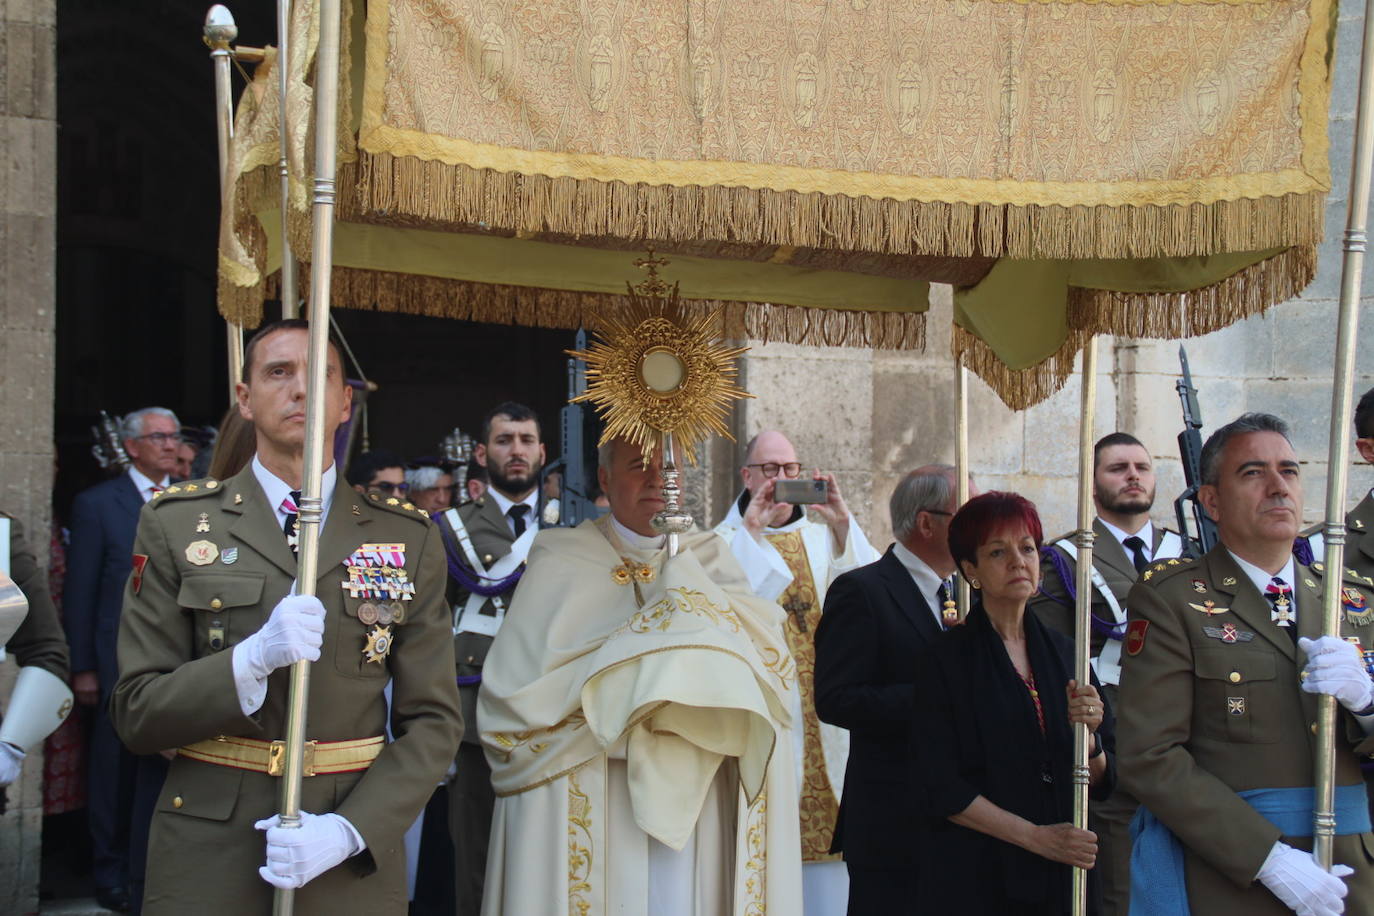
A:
(819, 806)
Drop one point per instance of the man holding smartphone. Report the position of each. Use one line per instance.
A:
(792, 560)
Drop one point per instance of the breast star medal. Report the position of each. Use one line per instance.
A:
(378, 644)
(201, 553)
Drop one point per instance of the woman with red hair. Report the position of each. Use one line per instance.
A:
(993, 738)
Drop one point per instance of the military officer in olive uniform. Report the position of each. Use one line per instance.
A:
(1127, 542)
(1223, 656)
(39, 642)
(487, 542)
(209, 630)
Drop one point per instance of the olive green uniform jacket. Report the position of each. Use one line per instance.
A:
(471, 799)
(1203, 717)
(39, 641)
(180, 622)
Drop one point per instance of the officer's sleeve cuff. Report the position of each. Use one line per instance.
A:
(252, 691)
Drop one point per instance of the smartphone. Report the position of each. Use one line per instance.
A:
(801, 491)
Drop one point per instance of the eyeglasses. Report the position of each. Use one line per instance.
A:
(160, 438)
(387, 486)
(770, 469)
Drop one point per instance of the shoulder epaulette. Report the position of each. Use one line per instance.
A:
(1165, 568)
(189, 489)
(408, 509)
(1318, 568)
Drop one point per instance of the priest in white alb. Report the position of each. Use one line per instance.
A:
(636, 711)
(792, 559)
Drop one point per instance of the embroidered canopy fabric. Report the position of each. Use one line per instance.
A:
(896, 142)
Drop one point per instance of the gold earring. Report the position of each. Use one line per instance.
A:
(974, 583)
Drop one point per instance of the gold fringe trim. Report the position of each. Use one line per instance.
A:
(1091, 312)
(528, 306)
(1247, 292)
(405, 189)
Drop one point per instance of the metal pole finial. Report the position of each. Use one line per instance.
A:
(220, 28)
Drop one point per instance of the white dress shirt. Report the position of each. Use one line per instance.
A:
(504, 502)
(1146, 534)
(144, 484)
(927, 582)
(1263, 579)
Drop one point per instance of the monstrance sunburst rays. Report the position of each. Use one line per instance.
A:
(654, 370)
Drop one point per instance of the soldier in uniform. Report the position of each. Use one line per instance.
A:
(39, 645)
(1127, 542)
(487, 541)
(210, 628)
(1359, 522)
(1223, 656)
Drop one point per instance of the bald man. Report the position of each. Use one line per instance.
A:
(791, 559)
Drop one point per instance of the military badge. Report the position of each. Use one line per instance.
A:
(1199, 586)
(1135, 636)
(378, 644)
(1208, 607)
(1235, 706)
(368, 614)
(398, 612)
(1228, 633)
(229, 556)
(1229, 580)
(384, 615)
(201, 553)
(203, 523)
(140, 564)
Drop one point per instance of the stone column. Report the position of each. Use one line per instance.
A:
(28, 167)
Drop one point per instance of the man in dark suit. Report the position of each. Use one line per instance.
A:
(877, 619)
(487, 541)
(103, 521)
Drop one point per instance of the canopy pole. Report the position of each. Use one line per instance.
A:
(1338, 460)
(290, 304)
(218, 32)
(1082, 627)
(316, 449)
(961, 471)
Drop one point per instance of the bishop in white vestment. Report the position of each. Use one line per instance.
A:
(632, 710)
(792, 560)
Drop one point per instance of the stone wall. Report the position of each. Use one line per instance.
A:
(28, 161)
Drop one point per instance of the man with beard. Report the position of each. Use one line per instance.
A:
(1127, 542)
(487, 542)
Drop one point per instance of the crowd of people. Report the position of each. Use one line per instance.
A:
(508, 717)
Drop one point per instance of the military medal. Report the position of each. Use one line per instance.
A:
(1357, 609)
(949, 612)
(398, 612)
(384, 615)
(201, 553)
(378, 644)
(1208, 607)
(1282, 604)
(368, 614)
(203, 523)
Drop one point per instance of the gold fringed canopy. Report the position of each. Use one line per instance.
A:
(1073, 167)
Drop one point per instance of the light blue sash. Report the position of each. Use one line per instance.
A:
(1158, 887)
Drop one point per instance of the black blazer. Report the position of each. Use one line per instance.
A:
(874, 625)
(975, 732)
(103, 523)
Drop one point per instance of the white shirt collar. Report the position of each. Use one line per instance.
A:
(634, 540)
(277, 489)
(1262, 578)
(927, 581)
(504, 502)
(1146, 534)
(145, 484)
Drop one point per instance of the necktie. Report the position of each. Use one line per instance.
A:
(949, 608)
(291, 527)
(517, 517)
(1137, 548)
(1283, 612)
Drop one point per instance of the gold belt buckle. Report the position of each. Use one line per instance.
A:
(276, 759)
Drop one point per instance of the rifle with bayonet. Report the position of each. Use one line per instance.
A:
(1203, 534)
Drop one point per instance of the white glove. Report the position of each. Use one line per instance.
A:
(11, 762)
(1300, 883)
(297, 855)
(293, 633)
(1334, 667)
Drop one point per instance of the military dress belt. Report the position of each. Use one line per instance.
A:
(321, 757)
